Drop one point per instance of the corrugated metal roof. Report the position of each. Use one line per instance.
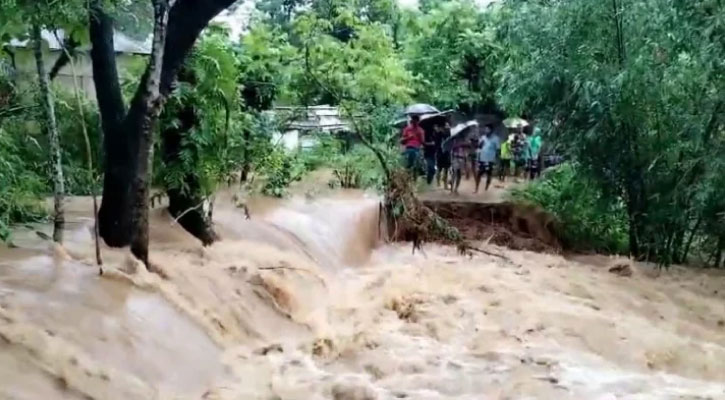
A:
(122, 43)
(316, 118)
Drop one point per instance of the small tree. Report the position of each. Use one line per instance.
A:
(51, 129)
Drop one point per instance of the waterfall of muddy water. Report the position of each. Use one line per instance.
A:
(298, 303)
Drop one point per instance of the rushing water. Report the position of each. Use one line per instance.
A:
(302, 302)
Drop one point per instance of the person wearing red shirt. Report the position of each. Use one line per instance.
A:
(412, 139)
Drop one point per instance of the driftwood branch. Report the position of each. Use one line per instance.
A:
(188, 210)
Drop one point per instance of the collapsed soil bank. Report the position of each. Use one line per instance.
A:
(513, 225)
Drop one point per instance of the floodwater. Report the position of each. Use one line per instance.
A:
(302, 302)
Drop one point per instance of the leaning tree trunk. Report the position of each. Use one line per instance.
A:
(51, 128)
(186, 206)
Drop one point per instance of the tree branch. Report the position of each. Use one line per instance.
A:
(9, 51)
(186, 21)
(68, 47)
(105, 71)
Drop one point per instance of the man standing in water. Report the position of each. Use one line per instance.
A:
(412, 140)
(488, 149)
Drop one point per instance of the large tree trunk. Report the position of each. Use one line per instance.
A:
(51, 128)
(128, 139)
(114, 216)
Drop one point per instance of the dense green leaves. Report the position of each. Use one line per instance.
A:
(587, 219)
(634, 91)
(454, 55)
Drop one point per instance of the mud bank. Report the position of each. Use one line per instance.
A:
(516, 226)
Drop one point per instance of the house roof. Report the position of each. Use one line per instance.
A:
(122, 42)
(322, 118)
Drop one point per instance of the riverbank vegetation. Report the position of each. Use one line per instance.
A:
(632, 93)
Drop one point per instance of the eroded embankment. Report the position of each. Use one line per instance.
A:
(507, 224)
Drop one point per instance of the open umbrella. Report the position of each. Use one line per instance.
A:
(426, 119)
(457, 130)
(420, 109)
(460, 128)
(515, 122)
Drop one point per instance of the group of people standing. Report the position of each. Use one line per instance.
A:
(520, 153)
(438, 162)
(449, 158)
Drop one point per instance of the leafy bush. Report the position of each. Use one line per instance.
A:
(358, 169)
(78, 180)
(634, 92)
(280, 170)
(21, 185)
(323, 154)
(589, 220)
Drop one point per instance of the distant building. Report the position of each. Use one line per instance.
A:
(128, 52)
(306, 122)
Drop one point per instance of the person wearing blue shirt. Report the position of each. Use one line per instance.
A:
(488, 146)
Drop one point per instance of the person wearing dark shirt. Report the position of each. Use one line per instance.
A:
(443, 157)
(412, 140)
(429, 153)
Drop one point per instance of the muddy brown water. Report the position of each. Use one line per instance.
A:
(304, 302)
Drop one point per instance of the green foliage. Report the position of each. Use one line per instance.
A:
(134, 18)
(588, 220)
(357, 169)
(634, 92)
(78, 180)
(280, 170)
(22, 186)
(327, 149)
(454, 55)
(364, 68)
(203, 109)
(264, 58)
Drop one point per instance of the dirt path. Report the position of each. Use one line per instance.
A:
(495, 194)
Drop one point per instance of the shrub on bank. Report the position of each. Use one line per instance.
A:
(589, 220)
